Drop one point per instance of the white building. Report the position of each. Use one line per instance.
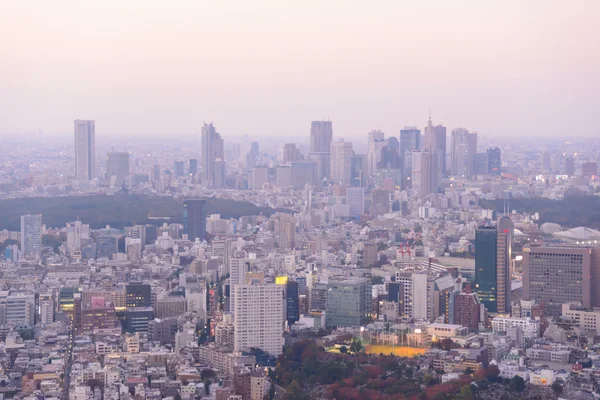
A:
(587, 320)
(258, 317)
(20, 309)
(31, 235)
(76, 231)
(530, 327)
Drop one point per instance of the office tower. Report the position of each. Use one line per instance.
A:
(424, 172)
(291, 153)
(31, 235)
(375, 143)
(464, 147)
(194, 219)
(106, 246)
(212, 149)
(494, 160)
(238, 267)
(546, 160)
(381, 202)
(357, 171)
(156, 173)
(304, 173)
(570, 166)
(410, 140)
(20, 309)
(170, 306)
(553, 276)
(117, 168)
(293, 304)
(435, 141)
(46, 308)
(355, 197)
(138, 295)
(341, 158)
(287, 231)
(283, 176)
(98, 314)
(505, 230)
(179, 169)
(467, 311)
(348, 301)
(218, 173)
(193, 167)
(486, 252)
(85, 150)
(589, 169)
(260, 177)
(138, 319)
(321, 136)
(480, 164)
(76, 232)
(370, 254)
(258, 318)
(133, 249)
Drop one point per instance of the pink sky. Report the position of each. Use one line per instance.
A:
(270, 67)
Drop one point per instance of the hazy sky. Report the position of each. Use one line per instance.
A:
(270, 67)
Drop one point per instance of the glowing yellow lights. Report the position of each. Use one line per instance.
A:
(281, 280)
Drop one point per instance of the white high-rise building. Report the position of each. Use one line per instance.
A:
(258, 317)
(341, 162)
(212, 151)
(20, 309)
(238, 266)
(76, 231)
(85, 150)
(31, 235)
(464, 148)
(375, 144)
(46, 311)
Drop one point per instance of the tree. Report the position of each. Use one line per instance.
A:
(466, 393)
(343, 349)
(492, 372)
(517, 384)
(293, 389)
(557, 388)
(177, 397)
(469, 371)
(207, 374)
(356, 346)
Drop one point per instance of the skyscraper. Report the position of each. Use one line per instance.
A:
(486, 252)
(258, 317)
(293, 304)
(212, 149)
(494, 160)
(375, 143)
(357, 171)
(321, 136)
(291, 153)
(287, 231)
(410, 140)
(341, 160)
(194, 219)
(348, 301)
(464, 148)
(85, 150)
(557, 275)
(435, 141)
(505, 230)
(425, 173)
(570, 166)
(31, 235)
(193, 167)
(117, 167)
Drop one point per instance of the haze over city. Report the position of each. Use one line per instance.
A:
(501, 68)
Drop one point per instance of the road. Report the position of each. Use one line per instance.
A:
(69, 363)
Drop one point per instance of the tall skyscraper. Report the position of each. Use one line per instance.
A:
(410, 140)
(321, 136)
(341, 160)
(212, 149)
(76, 232)
(425, 173)
(570, 166)
(304, 173)
(258, 317)
(375, 143)
(435, 141)
(293, 304)
(494, 160)
(464, 148)
(117, 167)
(348, 301)
(291, 153)
(287, 231)
(553, 276)
(486, 252)
(505, 229)
(85, 150)
(193, 170)
(31, 235)
(194, 219)
(357, 171)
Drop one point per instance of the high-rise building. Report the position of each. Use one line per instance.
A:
(20, 309)
(194, 219)
(138, 295)
(480, 164)
(283, 176)
(355, 197)
(464, 148)
(357, 171)
(260, 176)
(375, 143)
(381, 202)
(494, 155)
(321, 136)
(410, 140)
(212, 149)
(106, 246)
(570, 166)
(179, 169)
(287, 231)
(341, 162)
(193, 170)
(31, 235)
(293, 304)
(76, 232)
(117, 167)
(291, 153)
(435, 141)
(258, 318)
(425, 172)
(589, 169)
(553, 276)
(348, 301)
(505, 229)
(85, 150)
(304, 173)
(486, 252)
(467, 311)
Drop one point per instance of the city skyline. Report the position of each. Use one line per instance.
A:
(535, 79)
